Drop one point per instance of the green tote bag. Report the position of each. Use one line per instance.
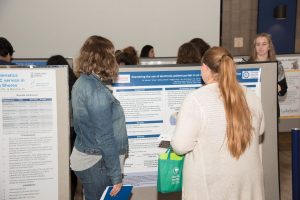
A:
(169, 177)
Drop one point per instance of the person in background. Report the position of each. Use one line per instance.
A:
(201, 45)
(131, 54)
(263, 50)
(123, 58)
(218, 129)
(101, 138)
(6, 52)
(188, 54)
(60, 60)
(147, 52)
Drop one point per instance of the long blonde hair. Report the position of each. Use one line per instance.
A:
(271, 52)
(238, 116)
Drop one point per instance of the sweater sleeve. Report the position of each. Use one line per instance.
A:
(281, 80)
(283, 87)
(187, 126)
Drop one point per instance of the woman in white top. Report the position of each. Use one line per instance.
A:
(218, 130)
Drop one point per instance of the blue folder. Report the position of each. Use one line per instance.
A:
(124, 193)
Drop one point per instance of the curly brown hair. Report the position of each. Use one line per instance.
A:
(187, 53)
(97, 56)
(132, 55)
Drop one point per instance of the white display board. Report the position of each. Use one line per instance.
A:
(290, 103)
(44, 28)
(34, 133)
(151, 97)
(151, 100)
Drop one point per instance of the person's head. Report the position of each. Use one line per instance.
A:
(60, 60)
(263, 48)
(57, 60)
(147, 52)
(6, 50)
(212, 69)
(97, 56)
(218, 66)
(201, 45)
(123, 58)
(187, 53)
(133, 55)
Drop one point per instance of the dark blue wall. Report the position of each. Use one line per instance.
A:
(282, 30)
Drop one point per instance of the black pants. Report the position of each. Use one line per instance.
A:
(73, 176)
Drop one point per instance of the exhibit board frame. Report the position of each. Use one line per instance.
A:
(35, 62)
(63, 125)
(158, 61)
(269, 144)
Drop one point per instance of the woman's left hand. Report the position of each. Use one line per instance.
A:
(116, 188)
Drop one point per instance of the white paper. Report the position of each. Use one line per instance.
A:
(28, 133)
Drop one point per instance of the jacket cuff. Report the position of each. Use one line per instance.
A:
(116, 180)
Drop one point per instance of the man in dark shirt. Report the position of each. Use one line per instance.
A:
(6, 52)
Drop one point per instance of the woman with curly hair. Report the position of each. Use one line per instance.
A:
(99, 122)
(188, 54)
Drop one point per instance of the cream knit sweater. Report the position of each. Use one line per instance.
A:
(210, 172)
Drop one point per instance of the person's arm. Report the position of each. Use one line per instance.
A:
(187, 126)
(282, 87)
(100, 110)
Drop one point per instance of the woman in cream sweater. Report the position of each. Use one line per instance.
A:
(218, 130)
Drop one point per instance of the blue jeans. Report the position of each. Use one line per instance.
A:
(94, 180)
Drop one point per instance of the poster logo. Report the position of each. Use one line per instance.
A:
(123, 78)
(250, 74)
(175, 170)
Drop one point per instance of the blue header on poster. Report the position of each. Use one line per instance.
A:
(144, 136)
(139, 89)
(37, 63)
(177, 77)
(146, 78)
(146, 122)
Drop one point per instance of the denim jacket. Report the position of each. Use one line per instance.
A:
(99, 123)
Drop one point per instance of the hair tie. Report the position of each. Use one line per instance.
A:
(223, 56)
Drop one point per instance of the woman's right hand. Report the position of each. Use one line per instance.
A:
(116, 188)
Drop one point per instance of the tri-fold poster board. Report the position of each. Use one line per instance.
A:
(34, 125)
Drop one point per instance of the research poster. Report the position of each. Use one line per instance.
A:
(290, 103)
(151, 100)
(28, 134)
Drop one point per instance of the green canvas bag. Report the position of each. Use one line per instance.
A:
(169, 177)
